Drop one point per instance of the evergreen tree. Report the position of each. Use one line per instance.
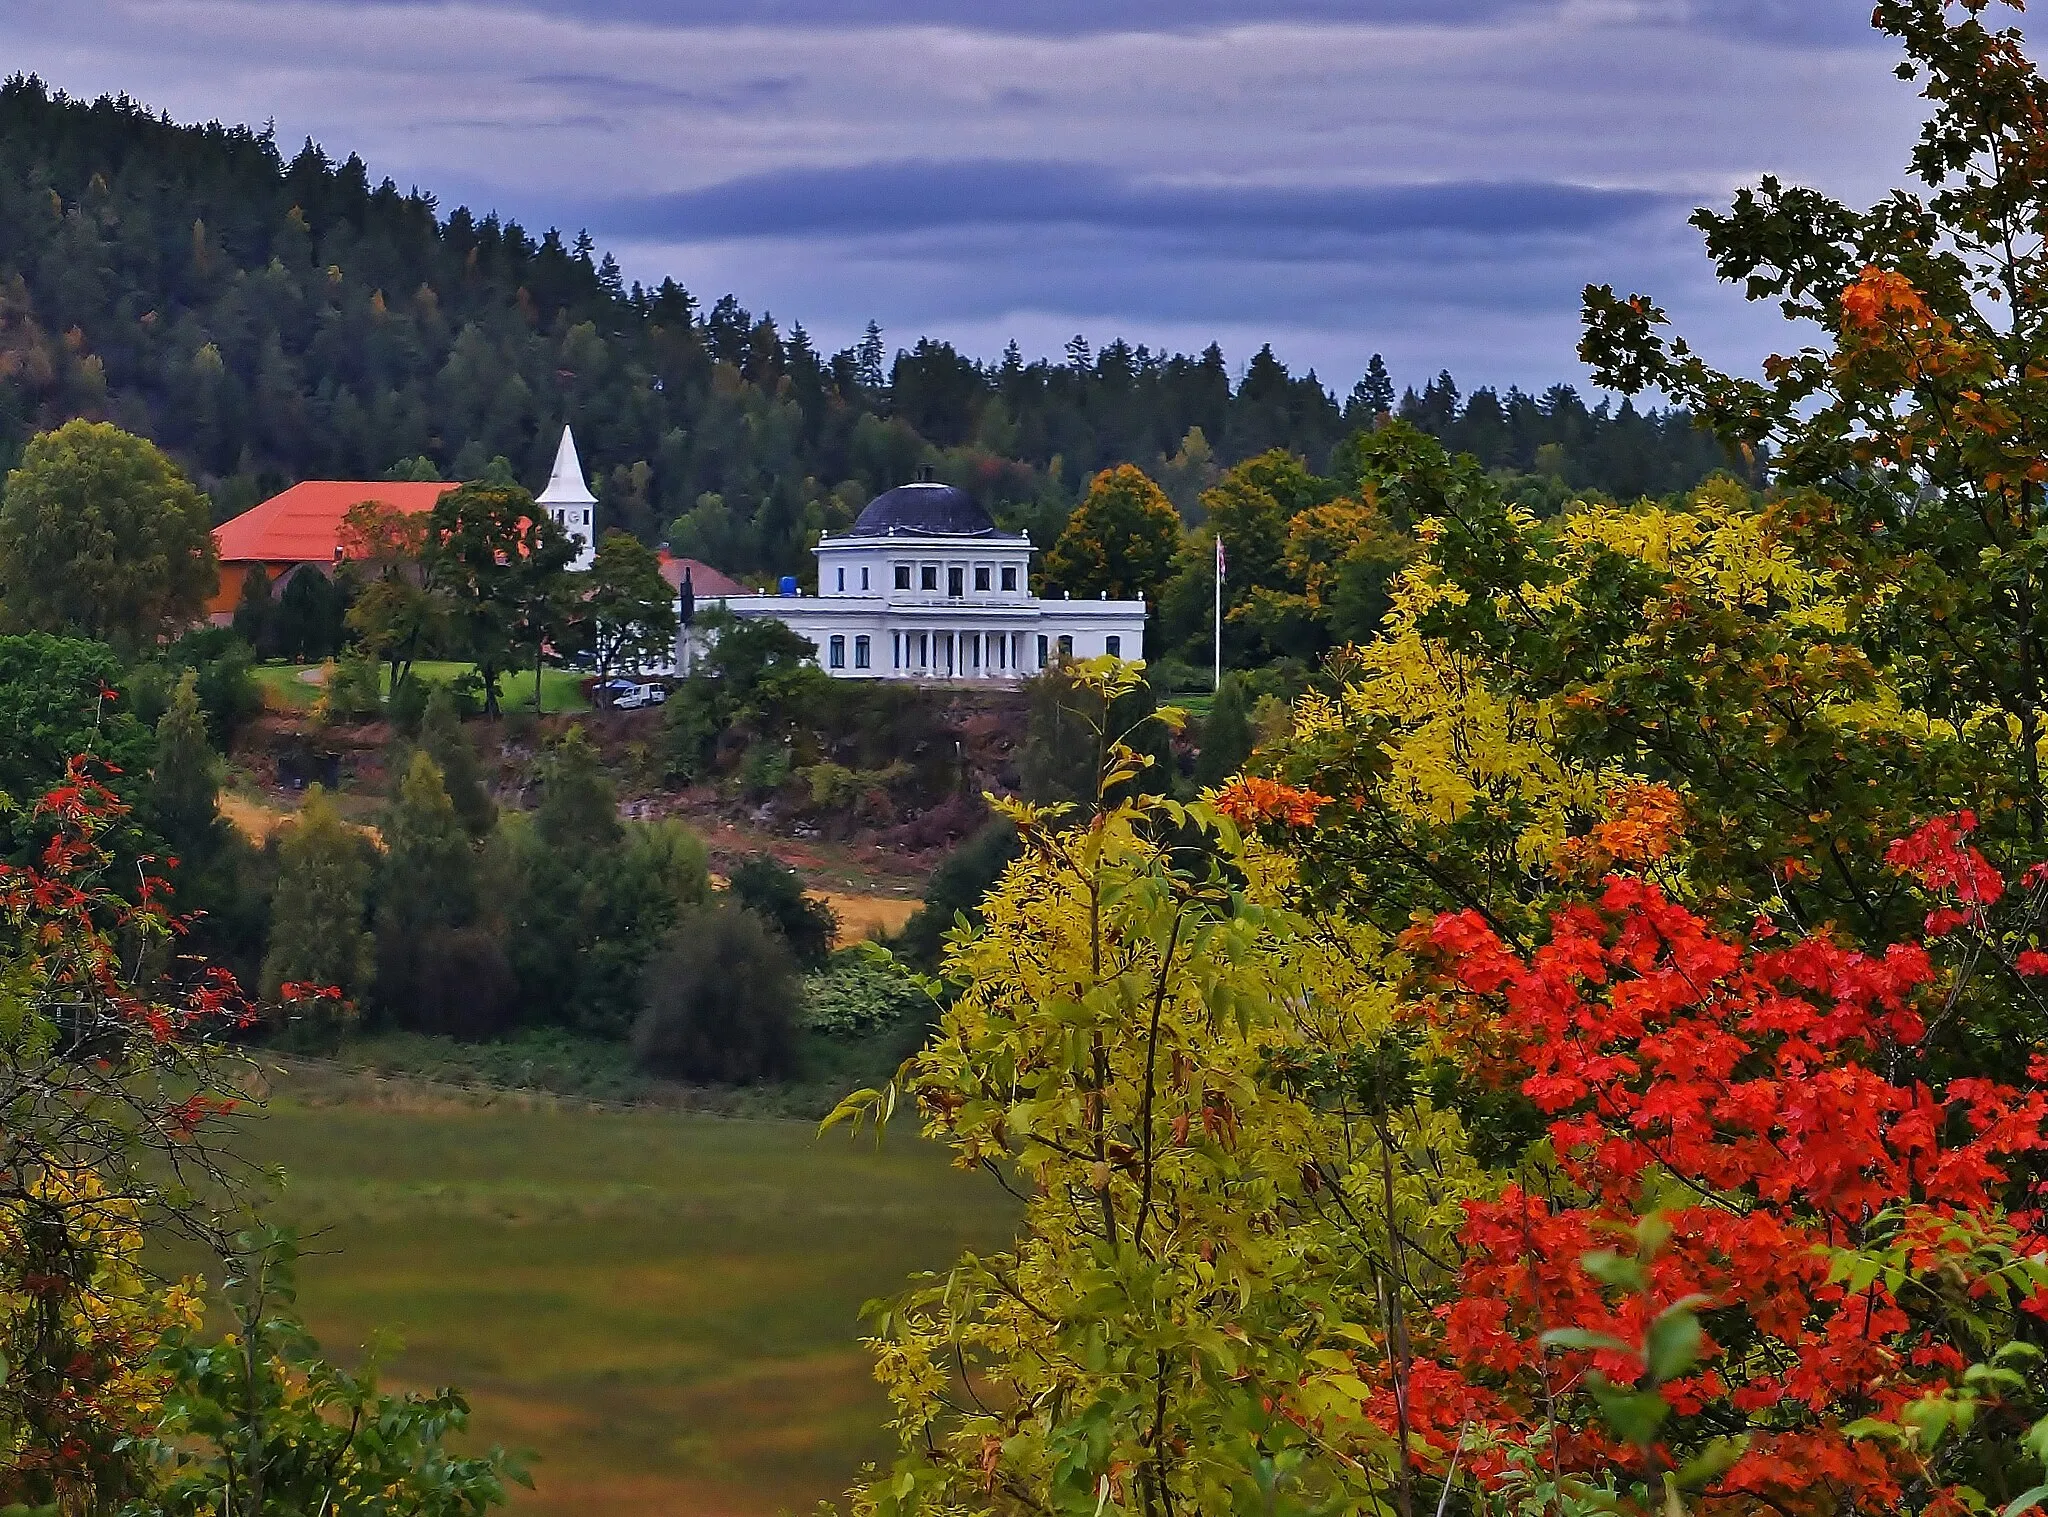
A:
(317, 935)
(1226, 736)
(277, 342)
(254, 612)
(1372, 397)
(429, 870)
(578, 813)
(455, 756)
(184, 786)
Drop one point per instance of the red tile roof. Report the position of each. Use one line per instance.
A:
(303, 525)
(705, 581)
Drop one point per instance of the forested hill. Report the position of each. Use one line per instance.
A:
(268, 319)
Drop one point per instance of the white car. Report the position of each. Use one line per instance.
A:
(640, 696)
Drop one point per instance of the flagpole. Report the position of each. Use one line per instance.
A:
(1219, 612)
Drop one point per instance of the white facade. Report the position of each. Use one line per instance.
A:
(568, 500)
(911, 604)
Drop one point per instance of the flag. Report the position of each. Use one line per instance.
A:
(1219, 559)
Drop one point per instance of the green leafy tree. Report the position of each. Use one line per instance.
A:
(758, 679)
(499, 560)
(626, 614)
(427, 882)
(395, 620)
(317, 936)
(720, 1001)
(311, 615)
(57, 699)
(101, 534)
(258, 1423)
(1120, 541)
(1069, 730)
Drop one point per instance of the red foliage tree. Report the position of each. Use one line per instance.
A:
(1768, 1255)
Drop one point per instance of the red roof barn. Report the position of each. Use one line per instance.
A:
(302, 527)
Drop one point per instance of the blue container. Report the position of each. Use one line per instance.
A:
(789, 584)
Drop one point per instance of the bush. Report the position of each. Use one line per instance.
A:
(720, 1001)
(408, 705)
(765, 770)
(861, 991)
(354, 688)
(775, 893)
(957, 886)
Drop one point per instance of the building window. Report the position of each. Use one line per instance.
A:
(1041, 650)
(895, 650)
(998, 652)
(956, 582)
(860, 653)
(981, 576)
(928, 579)
(924, 650)
(974, 650)
(863, 576)
(842, 581)
(1009, 576)
(839, 653)
(903, 576)
(1113, 646)
(1066, 647)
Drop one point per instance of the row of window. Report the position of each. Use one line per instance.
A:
(959, 652)
(986, 576)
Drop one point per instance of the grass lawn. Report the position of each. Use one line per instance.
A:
(663, 1307)
(285, 688)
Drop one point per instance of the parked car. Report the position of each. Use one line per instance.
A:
(638, 696)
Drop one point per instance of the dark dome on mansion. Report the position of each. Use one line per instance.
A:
(924, 510)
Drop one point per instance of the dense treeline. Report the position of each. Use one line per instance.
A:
(270, 318)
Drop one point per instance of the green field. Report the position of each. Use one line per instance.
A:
(560, 689)
(663, 1307)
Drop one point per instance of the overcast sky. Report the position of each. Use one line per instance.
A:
(1430, 179)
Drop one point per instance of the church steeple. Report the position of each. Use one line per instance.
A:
(569, 501)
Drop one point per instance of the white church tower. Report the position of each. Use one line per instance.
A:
(570, 503)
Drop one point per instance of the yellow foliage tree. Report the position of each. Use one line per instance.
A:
(1192, 1084)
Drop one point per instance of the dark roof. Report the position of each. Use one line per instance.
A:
(924, 510)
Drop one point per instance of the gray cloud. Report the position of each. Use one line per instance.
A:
(1059, 18)
(621, 91)
(892, 198)
(1435, 179)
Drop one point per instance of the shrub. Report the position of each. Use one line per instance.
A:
(408, 705)
(956, 886)
(354, 688)
(861, 991)
(774, 892)
(719, 1001)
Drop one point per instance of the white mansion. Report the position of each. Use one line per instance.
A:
(926, 588)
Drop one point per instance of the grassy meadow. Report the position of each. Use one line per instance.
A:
(285, 687)
(662, 1307)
